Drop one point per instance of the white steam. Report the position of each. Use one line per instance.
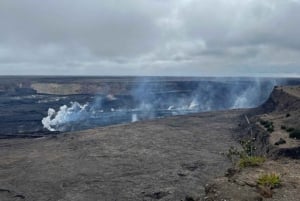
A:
(134, 118)
(67, 118)
(57, 121)
(151, 102)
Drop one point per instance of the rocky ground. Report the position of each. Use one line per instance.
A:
(176, 158)
(281, 112)
(165, 159)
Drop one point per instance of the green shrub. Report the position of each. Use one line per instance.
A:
(269, 180)
(233, 154)
(251, 161)
(295, 134)
(270, 129)
(248, 147)
(268, 125)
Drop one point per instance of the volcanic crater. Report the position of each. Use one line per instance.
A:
(170, 158)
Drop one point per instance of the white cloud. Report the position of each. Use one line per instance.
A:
(152, 37)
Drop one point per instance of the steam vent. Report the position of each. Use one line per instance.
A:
(149, 100)
(145, 138)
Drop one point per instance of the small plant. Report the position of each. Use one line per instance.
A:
(283, 127)
(290, 130)
(295, 134)
(288, 115)
(268, 125)
(269, 180)
(248, 146)
(251, 161)
(233, 154)
(271, 129)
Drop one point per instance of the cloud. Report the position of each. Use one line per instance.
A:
(152, 37)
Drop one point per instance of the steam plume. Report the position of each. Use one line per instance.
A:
(158, 99)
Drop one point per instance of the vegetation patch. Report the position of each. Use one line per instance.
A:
(270, 130)
(295, 134)
(268, 125)
(251, 161)
(233, 154)
(271, 180)
(290, 130)
(248, 147)
(245, 158)
(283, 127)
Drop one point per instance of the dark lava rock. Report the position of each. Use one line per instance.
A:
(157, 195)
(188, 198)
(120, 162)
(231, 172)
(280, 141)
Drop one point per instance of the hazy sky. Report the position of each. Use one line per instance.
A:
(150, 37)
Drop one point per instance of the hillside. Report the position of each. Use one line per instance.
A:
(272, 125)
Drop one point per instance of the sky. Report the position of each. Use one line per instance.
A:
(150, 37)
